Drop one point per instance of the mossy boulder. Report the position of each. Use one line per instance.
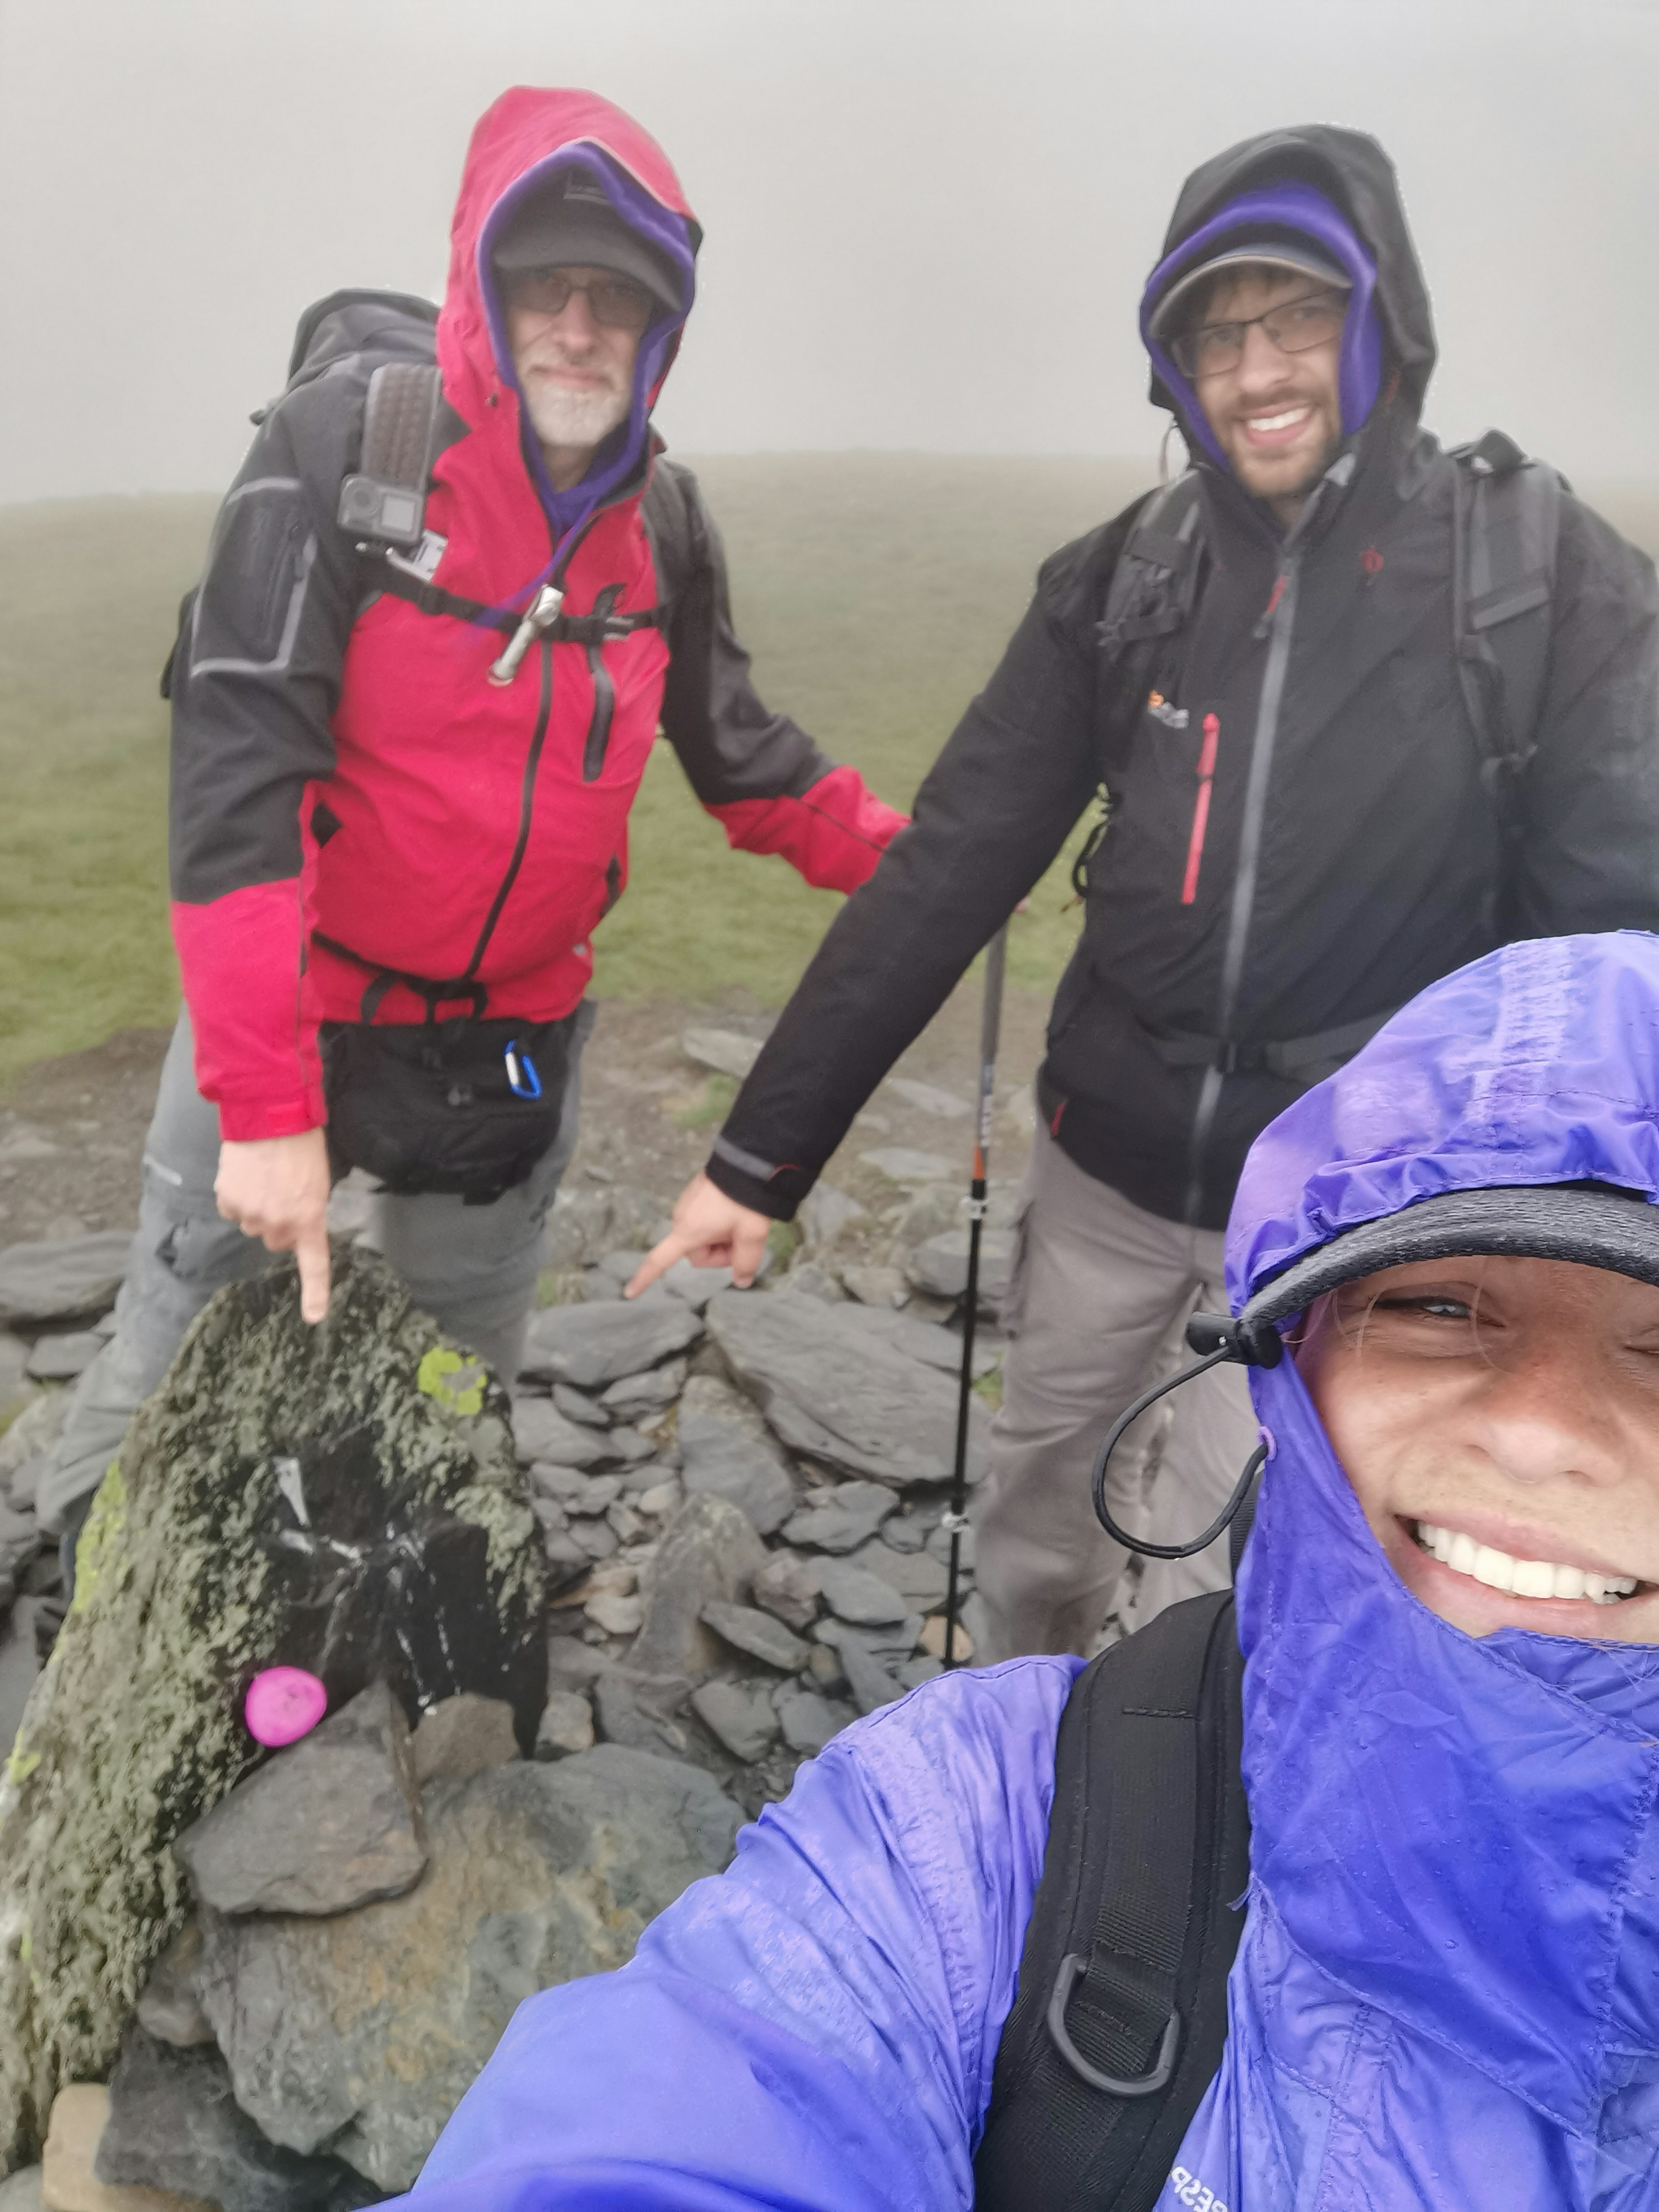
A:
(344, 1499)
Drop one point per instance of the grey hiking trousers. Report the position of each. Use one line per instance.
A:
(473, 1267)
(1095, 1310)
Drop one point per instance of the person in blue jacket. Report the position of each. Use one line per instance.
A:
(1447, 1991)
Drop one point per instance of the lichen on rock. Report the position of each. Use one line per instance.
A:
(342, 1497)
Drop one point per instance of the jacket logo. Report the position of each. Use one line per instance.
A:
(1173, 718)
(1189, 2190)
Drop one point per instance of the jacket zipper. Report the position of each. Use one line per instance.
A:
(526, 807)
(604, 693)
(1277, 623)
(1201, 808)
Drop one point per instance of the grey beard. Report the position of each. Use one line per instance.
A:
(575, 418)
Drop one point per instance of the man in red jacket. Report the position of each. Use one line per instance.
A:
(409, 718)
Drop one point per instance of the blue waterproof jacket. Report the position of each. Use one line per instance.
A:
(1447, 1994)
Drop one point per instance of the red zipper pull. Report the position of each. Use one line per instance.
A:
(1200, 807)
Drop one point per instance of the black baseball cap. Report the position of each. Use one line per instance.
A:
(574, 221)
(1275, 250)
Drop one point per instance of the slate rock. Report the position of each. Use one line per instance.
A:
(174, 2124)
(696, 1285)
(61, 1358)
(64, 1278)
(577, 1492)
(939, 1265)
(831, 1390)
(923, 1669)
(925, 1340)
(168, 2008)
(342, 1498)
(13, 1366)
(842, 1519)
(809, 1722)
(328, 1824)
(645, 1393)
(586, 1224)
(939, 1548)
(919, 1578)
(460, 1736)
(69, 2180)
(620, 1266)
(707, 1553)
(19, 1540)
(932, 1639)
(763, 1636)
(902, 1164)
(806, 1280)
(629, 1446)
(723, 1052)
(928, 1098)
(889, 1641)
(590, 1345)
(856, 1595)
(638, 1713)
(576, 1406)
(789, 1587)
(873, 1682)
(740, 1714)
(541, 1433)
(30, 1437)
(567, 1725)
(362, 2032)
(21, 2192)
(727, 1451)
(876, 1286)
(825, 1212)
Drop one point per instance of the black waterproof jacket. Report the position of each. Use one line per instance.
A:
(1353, 851)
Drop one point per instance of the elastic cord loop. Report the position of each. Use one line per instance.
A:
(1098, 1484)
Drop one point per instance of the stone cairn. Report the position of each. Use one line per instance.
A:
(705, 1537)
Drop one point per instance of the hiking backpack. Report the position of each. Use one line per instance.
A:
(1121, 2013)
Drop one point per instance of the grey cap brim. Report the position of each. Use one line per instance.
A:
(1293, 260)
(558, 233)
(1593, 1227)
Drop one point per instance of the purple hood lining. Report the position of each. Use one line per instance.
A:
(1297, 208)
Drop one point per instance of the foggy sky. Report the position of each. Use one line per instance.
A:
(928, 220)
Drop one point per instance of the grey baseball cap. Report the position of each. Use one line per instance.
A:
(573, 221)
(1590, 1224)
(1293, 255)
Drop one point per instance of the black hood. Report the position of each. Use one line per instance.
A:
(1353, 171)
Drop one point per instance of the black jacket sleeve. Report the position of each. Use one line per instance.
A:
(256, 675)
(1589, 856)
(730, 744)
(994, 811)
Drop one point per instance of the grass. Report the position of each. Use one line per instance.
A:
(875, 591)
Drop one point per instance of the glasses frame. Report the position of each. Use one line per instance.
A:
(514, 279)
(1178, 346)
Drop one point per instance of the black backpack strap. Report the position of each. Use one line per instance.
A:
(1156, 578)
(1121, 2013)
(1507, 523)
(384, 501)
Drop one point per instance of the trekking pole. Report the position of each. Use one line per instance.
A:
(956, 1519)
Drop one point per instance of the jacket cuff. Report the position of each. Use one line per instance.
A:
(245, 1122)
(775, 1191)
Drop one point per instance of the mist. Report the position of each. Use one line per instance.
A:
(928, 220)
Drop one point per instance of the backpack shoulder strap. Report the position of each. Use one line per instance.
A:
(1156, 576)
(1118, 2027)
(384, 500)
(1507, 523)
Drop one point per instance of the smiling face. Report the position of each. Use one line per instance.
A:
(1276, 416)
(1498, 1419)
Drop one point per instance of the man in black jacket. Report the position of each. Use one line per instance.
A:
(1307, 822)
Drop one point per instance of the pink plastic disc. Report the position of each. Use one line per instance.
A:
(284, 1703)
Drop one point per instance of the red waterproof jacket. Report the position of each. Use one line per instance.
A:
(343, 774)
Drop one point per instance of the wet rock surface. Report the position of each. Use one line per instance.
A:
(330, 1823)
(359, 2033)
(740, 1548)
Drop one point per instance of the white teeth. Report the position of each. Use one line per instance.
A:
(1277, 422)
(1521, 1577)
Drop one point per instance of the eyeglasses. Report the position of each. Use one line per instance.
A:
(615, 302)
(1296, 326)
